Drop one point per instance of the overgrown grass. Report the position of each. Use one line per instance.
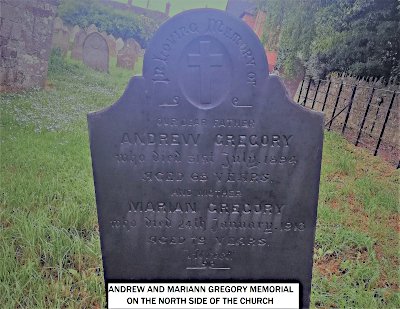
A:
(49, 244)
(356, 261)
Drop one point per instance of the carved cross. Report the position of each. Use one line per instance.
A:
(205, 61)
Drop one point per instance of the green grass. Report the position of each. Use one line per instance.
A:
(357, 246)
(49, 243)
(178, 6)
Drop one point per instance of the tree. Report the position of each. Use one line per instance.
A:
(358, 36)
(361, 37)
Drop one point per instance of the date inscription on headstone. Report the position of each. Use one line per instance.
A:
(204, 169)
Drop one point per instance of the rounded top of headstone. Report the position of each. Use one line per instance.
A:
(58, 23)
(96, 52)
(206, 57)
(95, 41)
(91, 28)
(120, 43)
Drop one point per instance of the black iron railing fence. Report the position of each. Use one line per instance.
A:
(366, 115)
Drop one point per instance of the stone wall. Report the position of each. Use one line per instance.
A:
(25, 42)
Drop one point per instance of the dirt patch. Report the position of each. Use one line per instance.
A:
(359, 219)
(356, 254)
(334, 204)
(384, 281)
(336, 176)
(393, 222)
(328, 265)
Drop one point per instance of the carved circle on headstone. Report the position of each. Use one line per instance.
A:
(195, 43)
(95, 52)
(206, 72)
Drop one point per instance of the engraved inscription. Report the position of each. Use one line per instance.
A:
(160, 139)
(161, 58)
(167, 206)
(217, 26)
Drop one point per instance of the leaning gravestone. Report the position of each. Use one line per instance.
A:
(58, 23)
(205, 169)
(95, 52)
(119, 44)
(74, 31)
(133, 44)
(126, 57)
(112, 45)
(77, 48)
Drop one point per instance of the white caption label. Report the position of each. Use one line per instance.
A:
(203, 295)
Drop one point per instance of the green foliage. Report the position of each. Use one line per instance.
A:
(57, 62)
(118, 23)
(49, 242)
(361, 37)
(178, 6)
(289, 28)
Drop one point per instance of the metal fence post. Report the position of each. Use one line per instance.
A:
(308, 89)
(326, 95)
(336, 104)
(365, 116)
(349, 109)
(315, 96)
(377, 114)
(301, 90)
(384, 124)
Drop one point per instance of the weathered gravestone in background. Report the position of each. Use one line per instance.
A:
(119, 44)
(204, 169)
(61, 36)
(133, 44)
(73, 32)
(126, 57)
(112, 45)
(92, 28)
(95, 52)
(77, 48)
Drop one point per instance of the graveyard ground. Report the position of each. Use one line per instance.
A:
(49, 243)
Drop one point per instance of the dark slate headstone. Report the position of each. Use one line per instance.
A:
(95, 52)
(205, 169)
